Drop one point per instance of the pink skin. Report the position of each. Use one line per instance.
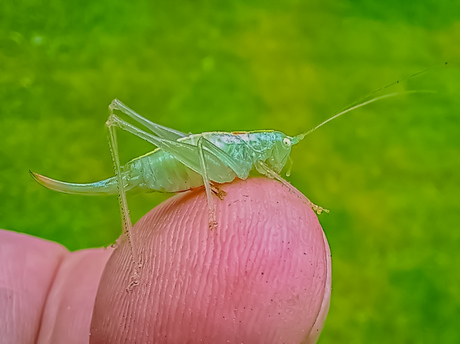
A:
(48, 292)
(263, 276)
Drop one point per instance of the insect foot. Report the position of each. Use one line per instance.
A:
(132, 285)
(134, 278)
(218, 192)
(212, 225)
(317, 209)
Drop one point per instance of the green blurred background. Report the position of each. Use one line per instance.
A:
(388, 172)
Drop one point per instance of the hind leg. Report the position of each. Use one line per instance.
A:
(126, 220)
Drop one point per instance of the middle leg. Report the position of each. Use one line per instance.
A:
(207, 185)
(218, 191)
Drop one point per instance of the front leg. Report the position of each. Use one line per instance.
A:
(272, 174)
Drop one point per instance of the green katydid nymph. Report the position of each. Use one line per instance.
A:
(185, 161)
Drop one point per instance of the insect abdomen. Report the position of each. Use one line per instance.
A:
(160, 171)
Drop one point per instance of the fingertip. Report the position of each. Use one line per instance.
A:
(261, 276)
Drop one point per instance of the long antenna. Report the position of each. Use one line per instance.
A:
(301, 136)
(360, 100)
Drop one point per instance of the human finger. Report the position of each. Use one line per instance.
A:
(263, 276)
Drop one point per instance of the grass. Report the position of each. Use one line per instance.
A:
(388, 172)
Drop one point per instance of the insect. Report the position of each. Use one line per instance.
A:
(185, 161)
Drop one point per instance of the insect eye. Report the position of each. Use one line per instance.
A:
(287, 142)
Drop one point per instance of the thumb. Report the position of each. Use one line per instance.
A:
(262, 276)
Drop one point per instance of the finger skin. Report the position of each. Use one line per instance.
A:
(263, 276)
(46, 292)
(67, 313)
(27, 269)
